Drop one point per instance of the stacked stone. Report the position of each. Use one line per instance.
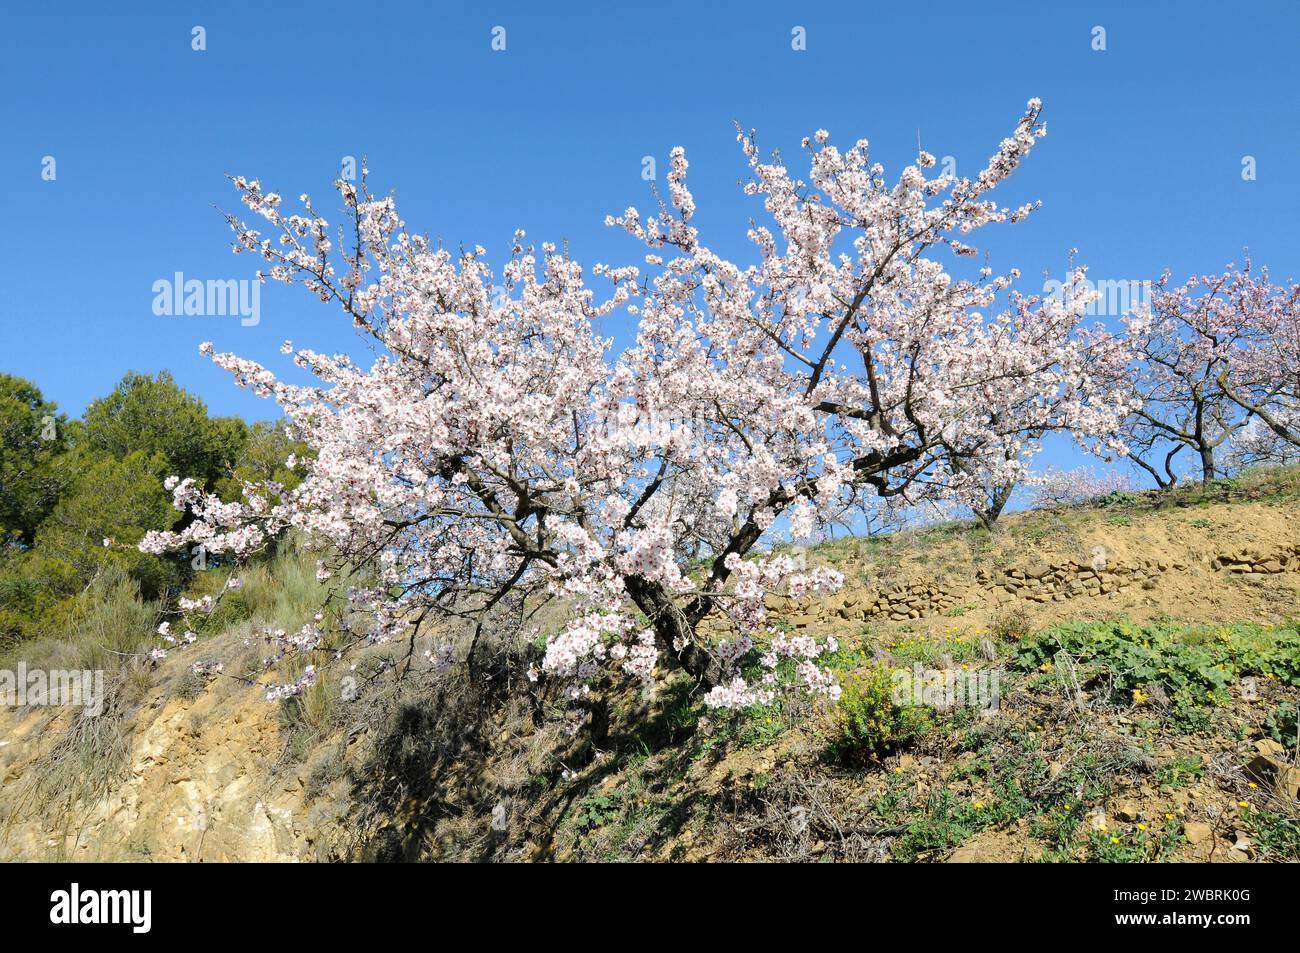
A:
(1040, 582)
(1255, 562)
(913, 600)
(1057, 582)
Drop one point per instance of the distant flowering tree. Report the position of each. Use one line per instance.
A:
(1057, 487)
(1210, 355)
(498, 452)
(1263, 378)
(1256, 443)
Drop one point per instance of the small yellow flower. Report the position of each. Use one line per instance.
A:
(979, 805)
(1142, 827)
(1169, 817)
(1243, 804)
(1114, 840)
(1252, 785)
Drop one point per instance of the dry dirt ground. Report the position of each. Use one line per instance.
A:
(1079, 761)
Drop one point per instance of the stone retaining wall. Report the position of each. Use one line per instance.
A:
(1255, 562)
(1069, 580)
(1035, 583)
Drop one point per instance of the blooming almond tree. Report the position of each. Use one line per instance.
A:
(1210, 355)
(498, 452)
(1263, 377)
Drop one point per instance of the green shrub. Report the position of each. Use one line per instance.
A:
(1281, 724)
(1013, 626)
(1277, 835)
(100, 627)
(1119, 498)
(868, 723)
(282, 591)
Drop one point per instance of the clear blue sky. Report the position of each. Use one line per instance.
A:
(1141, 169)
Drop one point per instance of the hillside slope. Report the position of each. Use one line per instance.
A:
(1157, 737)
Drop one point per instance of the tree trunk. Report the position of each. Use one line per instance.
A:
(997, 502)
(1207, 465)
(672, 627)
